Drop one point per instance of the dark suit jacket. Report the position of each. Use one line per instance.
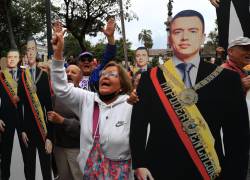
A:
(8, 112)
(222, 104)
(28, 120)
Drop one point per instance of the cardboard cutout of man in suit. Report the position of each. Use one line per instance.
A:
(172, 151)
(223, 18)
(34, 89)
(8, 111)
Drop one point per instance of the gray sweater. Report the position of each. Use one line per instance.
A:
(66, 135)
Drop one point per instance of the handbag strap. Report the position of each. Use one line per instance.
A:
(95, 131)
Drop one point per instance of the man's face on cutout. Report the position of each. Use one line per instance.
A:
(31, 52)
(141, 57)
(12, 59)
(186, 37)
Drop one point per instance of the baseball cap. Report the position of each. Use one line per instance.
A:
(240, 41)
(87, 55)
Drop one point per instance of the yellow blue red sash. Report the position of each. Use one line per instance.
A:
(188, 122)
(9, 84)
(34, 102)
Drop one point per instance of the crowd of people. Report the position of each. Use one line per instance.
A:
(184, 119)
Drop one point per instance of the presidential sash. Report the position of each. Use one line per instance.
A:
(34, 102)
(10, 85)
(188, 121)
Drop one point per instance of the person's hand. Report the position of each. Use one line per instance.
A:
(55, 117)
(143, 174)
(215, 3)
(246, 82)
(58, 41)
(25, 139)
(16, 99)
(48, 146)
(2, 126)
(133, 98)
(110, 30)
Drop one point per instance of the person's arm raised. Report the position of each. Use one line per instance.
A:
(109, 31)
(63, 90)
(58, 44)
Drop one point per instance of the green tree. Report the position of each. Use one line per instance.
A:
(212, 42)
(155, 61)
(99, 49)
(72, 47)
(86, 17)
(120, 53)
(23, 18)
(145, 36)
(7, 10)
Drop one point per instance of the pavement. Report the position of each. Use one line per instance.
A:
(17, 170)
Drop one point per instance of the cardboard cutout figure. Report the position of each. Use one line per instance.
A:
(9, 117)
(223, 18)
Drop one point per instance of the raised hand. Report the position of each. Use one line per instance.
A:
(110, 30)
(58, 40)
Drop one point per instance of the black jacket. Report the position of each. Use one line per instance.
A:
(28, 124)
(222, 104)
(8, 112)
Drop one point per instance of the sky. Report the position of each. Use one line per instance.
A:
(152, 15)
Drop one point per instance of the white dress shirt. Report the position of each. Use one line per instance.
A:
(194, 70)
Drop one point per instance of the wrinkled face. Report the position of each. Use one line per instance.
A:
(86, 67)
(141, 57)
(12, 59)
(109, 81)
(31, 52)
(240, 55)
(186, 37)
(74, 74)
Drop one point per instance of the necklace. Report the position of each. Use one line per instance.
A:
(189, 96)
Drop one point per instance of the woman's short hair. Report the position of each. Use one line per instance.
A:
(125, 81)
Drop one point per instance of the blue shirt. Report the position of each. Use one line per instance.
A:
(108, 55)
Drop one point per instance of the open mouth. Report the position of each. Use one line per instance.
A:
(86, 66)
(70, 79)
(247, 57)
(105, 84)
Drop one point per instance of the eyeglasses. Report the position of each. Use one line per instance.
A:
(111, 74)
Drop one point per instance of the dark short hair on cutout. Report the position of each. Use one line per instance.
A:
(31, 38)
(126, 83)
(141, 48)
(190, 13)
(13, 50)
